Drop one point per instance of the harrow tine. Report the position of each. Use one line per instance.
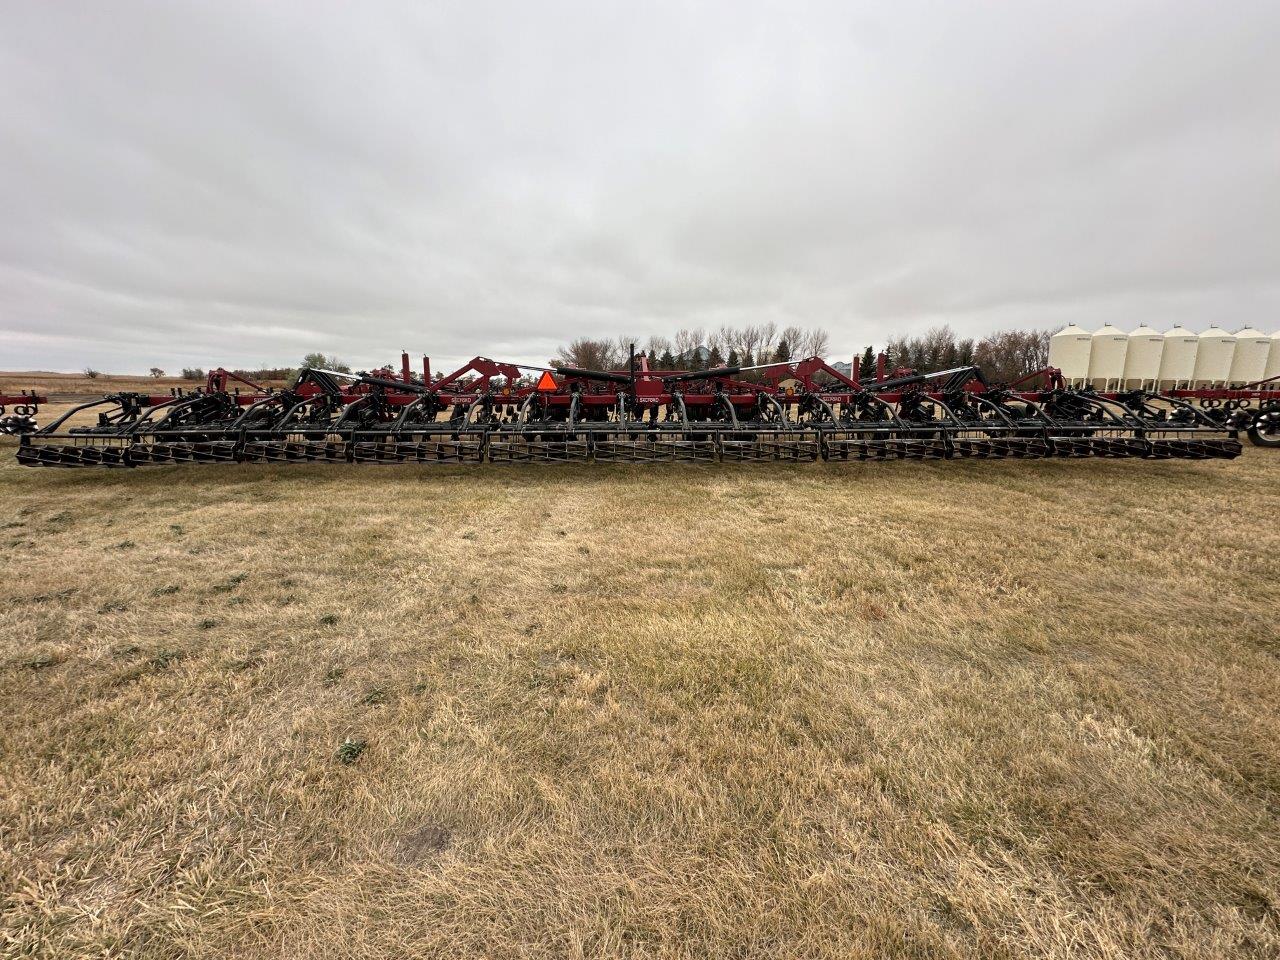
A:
(420, 447)
(1001, 447)
(872, 445)
(526, 446)
(178, 451)
(1196, 448)
(655, 446)
(1092, 445)
(791, 445)
(72, 455)
(296, 451)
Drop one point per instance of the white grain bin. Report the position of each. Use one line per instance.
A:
(1273, 361)
(1253, 349)
(1106, 357)
(1142, 359)
(1069, 352)
(1213, 357)
(1178, 362)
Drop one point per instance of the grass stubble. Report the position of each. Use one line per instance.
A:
(915, 710)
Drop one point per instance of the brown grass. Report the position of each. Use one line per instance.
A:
(66, 387)
(63, 386)
(978, 710)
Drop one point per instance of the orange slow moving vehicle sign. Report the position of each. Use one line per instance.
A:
(547, 383)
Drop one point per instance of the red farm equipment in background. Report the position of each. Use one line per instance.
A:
(18, 411)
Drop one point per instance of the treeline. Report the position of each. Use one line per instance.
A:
(699, 349)
(1003, 356)
(315, 360)
(260, 374)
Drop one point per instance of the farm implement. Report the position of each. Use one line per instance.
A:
(496, 412)
(18, 412)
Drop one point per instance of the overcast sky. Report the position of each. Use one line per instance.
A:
(240, 184)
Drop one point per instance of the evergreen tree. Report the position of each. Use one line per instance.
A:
(947, 357)
(783, 353)
(869, 360)
(666, 361)
(715, 358)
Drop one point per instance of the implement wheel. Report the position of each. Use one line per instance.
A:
(1265, 429)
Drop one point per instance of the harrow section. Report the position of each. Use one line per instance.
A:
(493, 412)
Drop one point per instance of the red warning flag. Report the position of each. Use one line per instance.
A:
(547, 383)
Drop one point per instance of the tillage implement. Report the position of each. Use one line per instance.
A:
(489, 411)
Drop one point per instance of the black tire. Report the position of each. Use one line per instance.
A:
(1264, 431)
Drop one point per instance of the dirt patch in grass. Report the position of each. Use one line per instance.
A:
(917, 710)
(422, 844)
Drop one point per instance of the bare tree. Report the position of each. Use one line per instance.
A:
(768, 337)
(655, 347)
(749, 338)
(157, 372)
(622, 351)
(1009, 354)
(716, 342)
(812, 343)
(586, 354)
(729, 338)
(688, 341)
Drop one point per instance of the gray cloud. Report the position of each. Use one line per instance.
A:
(243, 183)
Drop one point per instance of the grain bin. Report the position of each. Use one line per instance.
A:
(1142, 360)
(1106, 357)
(1273, 361)
(1213, 357)
(1178, 362)
(1253, 349)
(1069, 352)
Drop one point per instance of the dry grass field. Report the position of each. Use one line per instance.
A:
(63, 388)
(894, 710)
